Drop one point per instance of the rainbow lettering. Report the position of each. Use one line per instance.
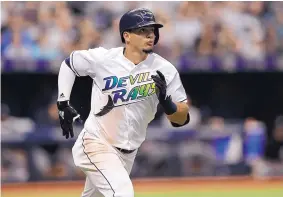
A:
(137, 92)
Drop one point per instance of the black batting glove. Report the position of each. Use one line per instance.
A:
(160, 87)
(67, 115)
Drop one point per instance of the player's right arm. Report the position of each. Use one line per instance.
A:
(78, 64)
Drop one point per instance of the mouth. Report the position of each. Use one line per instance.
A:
(150, 43)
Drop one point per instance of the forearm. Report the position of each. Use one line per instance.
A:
(66, 81)
(180, 116)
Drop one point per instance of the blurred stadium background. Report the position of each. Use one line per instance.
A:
(229, 55)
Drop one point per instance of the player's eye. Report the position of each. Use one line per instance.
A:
(141, 30)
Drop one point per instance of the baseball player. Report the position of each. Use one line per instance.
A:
(128, 84)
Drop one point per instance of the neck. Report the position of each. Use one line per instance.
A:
(134, 56)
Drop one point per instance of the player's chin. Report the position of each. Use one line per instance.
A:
(148, 49)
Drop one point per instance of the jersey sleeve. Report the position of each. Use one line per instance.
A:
(176, 89)
(84, 62)
(80, 63)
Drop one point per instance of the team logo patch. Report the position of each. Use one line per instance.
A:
(142, 87)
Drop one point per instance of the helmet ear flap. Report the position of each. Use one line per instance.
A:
(156, 33)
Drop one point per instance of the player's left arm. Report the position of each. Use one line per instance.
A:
(172, 98)
(181, 116)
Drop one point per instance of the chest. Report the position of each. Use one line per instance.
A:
(126, 84)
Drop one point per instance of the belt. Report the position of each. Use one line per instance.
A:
(124, 150)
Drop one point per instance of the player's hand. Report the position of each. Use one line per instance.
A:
(160, 86)
(67, 115)
(160, 89)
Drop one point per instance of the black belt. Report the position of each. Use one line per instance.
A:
(124, 150)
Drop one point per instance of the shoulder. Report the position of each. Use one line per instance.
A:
(90, 54)
(163, 63)
(113, 52)
(164, 66)
(99, 54)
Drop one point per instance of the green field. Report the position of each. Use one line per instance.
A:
(247, 193)
(237, 187)
(207, 193)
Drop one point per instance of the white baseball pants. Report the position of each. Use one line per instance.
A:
(107, 169)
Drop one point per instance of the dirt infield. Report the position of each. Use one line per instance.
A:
(155, 185)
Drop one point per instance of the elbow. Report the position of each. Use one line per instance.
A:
(182, 121)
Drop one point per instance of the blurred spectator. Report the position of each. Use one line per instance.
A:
(16, 42)
(103, 18)
(188, 26)
(77, 7)
(46, 16)
(156, 158)
(255, 138)
(30, 14)
(45, 51)
(46, 155)
(274, 150)
(167, 46)
(62, 34)
(14, 161)
(14, 165)
(17, 49)
(197, 158)
(4, 17)
(216, 123)
(259, 9)
(11, 125)
(247, 30)
(48, 116)
(89, 37)
(276, 24)
(270, 163)
(52, 160)
(230, 30)
(112, 38)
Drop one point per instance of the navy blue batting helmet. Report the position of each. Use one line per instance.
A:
(137, 18)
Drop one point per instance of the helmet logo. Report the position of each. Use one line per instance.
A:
(145, 15)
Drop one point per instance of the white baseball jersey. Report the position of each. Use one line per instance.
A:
(132, 91)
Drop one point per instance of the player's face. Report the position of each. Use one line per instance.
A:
(142, 38)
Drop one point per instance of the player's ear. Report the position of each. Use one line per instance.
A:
(126, 37)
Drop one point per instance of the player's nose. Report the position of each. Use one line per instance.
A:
(151, 35)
